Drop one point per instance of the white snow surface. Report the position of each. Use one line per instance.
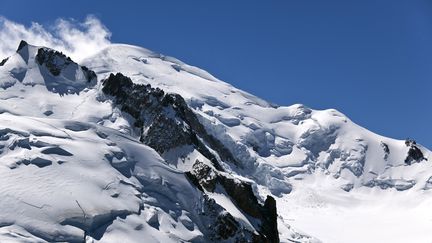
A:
(62, 158)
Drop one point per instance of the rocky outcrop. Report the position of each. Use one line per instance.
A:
(21, 45)
(386, 149)
(206, 179)
(414, 153)
(56, 61)
(203, 176)
(164, 118)
(2, 63)
(223, 225)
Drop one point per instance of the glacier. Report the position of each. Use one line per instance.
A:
(135, 146)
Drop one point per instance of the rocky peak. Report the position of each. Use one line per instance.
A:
(21, 45)
(56, 62)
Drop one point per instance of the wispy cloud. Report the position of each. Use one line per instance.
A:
(76, 39)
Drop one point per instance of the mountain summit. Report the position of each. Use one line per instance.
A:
(134, 146)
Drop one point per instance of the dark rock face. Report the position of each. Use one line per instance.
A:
(223, 226)
(347, 187)
(2, 63)
(242, 195)
(386, 149)
(269, 214)
(226, 226)
(56, 61)
(90, 74)
(204, 176)
(21, 45)
(169, 122)
(414, 153)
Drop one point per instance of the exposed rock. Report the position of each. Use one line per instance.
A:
(414, 153)
(2, 63)
(56, 150)
(48, 113)
(269, 213)
(165, 119)
(223, 225)
(347, 187)
(56, 61)
(90, 74)
(386, 150)
(242, 195)
(226, 226)
(204, 175)
(176, 67)
(21, 45)
(38, 161)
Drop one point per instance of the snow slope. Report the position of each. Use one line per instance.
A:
(63, 176)
(73, 165)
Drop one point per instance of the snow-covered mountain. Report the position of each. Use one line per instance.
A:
(134, 146)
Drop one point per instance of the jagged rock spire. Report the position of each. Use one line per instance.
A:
(21, 45)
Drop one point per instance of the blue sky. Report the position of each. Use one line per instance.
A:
(371, 60)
